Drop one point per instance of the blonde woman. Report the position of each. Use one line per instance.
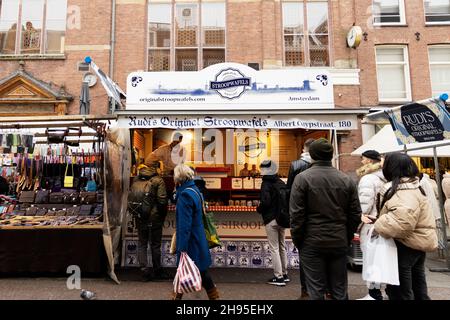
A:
(191, 236)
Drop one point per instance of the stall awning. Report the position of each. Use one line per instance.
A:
(385, 141)
(325, 119)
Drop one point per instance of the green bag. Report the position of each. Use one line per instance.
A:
(210, 229)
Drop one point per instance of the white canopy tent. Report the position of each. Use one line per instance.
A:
(385, 141)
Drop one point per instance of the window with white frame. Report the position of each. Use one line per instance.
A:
(393, 74)
(32, 26)
(186, 36)
(437, 11)
(305, 33)
(388, 12)
(439, 69)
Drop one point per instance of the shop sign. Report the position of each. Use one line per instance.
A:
(236, 183)
(311, 122)
(426, 121)
(226, 86)
(213, 183)
(248, 183)
(258, 183)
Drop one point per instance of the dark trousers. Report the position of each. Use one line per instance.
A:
(302, 277)
(411, 272)
(156, 239)
(207, 281)
(150, 234)
(325, 270)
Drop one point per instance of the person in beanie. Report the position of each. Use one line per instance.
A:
(149, 190)
(296, 167)
(370, 184)
(325, 213)
(268, 208)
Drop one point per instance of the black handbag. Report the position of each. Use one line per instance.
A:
(98, 210)
(51, 213)
(72, 197)
(56, 136)
(100, 197)
(27, 197)
(88, 197)
(73, 211)
(41, 212)
(85, 210)
(31, 211)
(42, 196)
(56, 197)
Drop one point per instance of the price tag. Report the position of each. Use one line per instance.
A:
(236, 183)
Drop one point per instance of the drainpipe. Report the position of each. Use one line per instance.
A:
(112, 49)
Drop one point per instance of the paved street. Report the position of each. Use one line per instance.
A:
(234, 284)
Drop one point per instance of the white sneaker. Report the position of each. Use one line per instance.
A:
(368, 297)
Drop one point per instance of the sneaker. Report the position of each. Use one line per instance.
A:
(368, 297)
(286, 278)
(277, 281)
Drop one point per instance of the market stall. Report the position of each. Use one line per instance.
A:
(52, 216)
(421, 129)
(231, 117)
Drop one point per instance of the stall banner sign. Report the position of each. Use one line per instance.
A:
(311, 122)
(226, 86)
(424, 121)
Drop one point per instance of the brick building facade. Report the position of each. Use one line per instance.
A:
(256, 31)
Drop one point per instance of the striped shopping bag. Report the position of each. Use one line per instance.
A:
(188, 277)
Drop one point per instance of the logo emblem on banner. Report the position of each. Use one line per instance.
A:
(230, 83)
(420, 122)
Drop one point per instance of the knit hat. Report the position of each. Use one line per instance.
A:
(321, 149)
(372, 154)
(268, 168)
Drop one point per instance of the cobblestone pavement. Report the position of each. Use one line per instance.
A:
(233, 284)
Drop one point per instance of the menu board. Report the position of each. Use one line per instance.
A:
(258, 182)
(248, 183)
(236, 183)
(213, 183)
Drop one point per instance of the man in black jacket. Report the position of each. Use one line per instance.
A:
(296, 167)
(269, 208)
(301, 164)
(325, 212)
